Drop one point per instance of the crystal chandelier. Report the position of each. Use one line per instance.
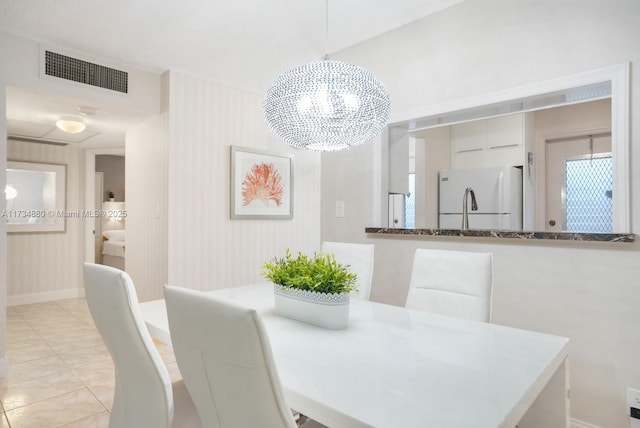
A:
(326, 106)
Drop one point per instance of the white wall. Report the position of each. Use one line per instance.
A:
(207, 250)
(20, 68)
(432, 156)
(113, 167)
(190, 147)
(146, 169)
(586, 291)
(46, 266)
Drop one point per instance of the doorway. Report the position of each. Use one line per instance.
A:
(91, 235)
(579, 182)
(110, 202)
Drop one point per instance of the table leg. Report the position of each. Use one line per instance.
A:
(551, 407)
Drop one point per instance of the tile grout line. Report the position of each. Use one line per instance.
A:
(79, 321)
(4, 414)
(56, 353)
(88, 388)
(73, 370)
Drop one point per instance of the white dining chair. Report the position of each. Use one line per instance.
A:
(456, 283)
(144, 395)
(359, 257)
(224, 355)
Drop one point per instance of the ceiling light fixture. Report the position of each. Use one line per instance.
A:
(71, 125)
(326, 105)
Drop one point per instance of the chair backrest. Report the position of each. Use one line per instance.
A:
(143, 395)
(360, 259)
(456, 283)
(224, 355)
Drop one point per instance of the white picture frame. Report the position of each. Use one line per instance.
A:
(261, 184)
(38, 197)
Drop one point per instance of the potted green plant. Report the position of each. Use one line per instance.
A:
(311, 289)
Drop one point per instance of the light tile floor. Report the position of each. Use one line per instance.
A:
(60, 372)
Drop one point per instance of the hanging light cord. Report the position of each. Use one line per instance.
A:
(326, 29)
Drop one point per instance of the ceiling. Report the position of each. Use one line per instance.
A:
(242, 43)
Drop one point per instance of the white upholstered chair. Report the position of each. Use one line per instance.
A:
(456, 283)
(144, 396)
(225, 359)
(360, 259)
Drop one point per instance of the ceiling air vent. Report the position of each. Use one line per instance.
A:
(77, 70)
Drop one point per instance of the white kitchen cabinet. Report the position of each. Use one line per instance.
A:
(498, 141)
(469, 136)
(505, 131)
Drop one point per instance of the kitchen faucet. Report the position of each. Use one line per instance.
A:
(465, 210)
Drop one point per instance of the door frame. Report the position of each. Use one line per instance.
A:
(89, 195)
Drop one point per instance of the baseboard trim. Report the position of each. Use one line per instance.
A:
(577, 423)
(47, 296)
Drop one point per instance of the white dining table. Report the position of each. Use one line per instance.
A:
(395, 367)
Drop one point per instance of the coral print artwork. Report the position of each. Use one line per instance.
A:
(261, 184)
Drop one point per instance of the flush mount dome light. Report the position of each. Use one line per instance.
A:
(71, 125)
(326, 106)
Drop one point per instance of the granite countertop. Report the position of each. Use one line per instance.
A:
(557, 236)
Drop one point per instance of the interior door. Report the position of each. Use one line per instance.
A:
(562, 158)
(396, 211)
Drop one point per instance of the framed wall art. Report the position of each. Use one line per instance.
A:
(35, 197)
(261, 184)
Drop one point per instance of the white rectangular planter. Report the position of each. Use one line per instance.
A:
(321, 309)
